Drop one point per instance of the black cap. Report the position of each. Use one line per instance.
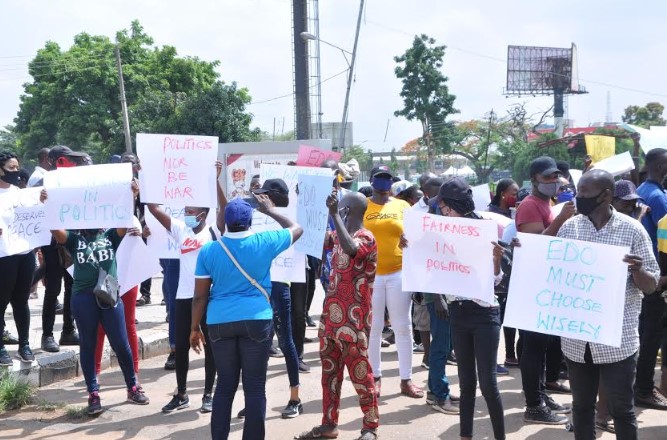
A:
(544, 165)
(381, 169)
(273, 185)
(62, 150)
(455, 189)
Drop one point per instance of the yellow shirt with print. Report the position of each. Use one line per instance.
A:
(386, 224)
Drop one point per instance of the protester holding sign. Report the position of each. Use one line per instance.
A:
(384, 218)
(190, 235)
(475, 324)
(534, 216)
(588, 363)
(94, 254)
(346, 317)
(233, 285)
(17, 273)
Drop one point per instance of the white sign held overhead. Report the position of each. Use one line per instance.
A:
(90, 197)
(447, 255)
(568, 288)
(178, 170)
(616, 165)
(312, 213)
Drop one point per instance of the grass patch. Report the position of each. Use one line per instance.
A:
(14, 391)
(76, 412)
(46, 406)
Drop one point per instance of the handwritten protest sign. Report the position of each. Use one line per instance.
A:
(448, 255)
(178, 169)
(312, 213)
(600, 147)
(569, 288)
(314, 157)
(135, 262)
(242, 167)
(160, 243)
(22, 219)
(291, 177)
(89, 197)
(290, 265)
(481, 195)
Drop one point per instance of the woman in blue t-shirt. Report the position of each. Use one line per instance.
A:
(233, 285)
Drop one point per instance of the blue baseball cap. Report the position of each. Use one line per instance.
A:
(238, 214)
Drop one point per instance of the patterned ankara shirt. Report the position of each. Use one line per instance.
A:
(620, 230)
(347, 306)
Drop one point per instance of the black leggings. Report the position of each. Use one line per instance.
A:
(17, 271)
(182, 337)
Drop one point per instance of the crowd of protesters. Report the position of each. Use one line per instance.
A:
(221, 299)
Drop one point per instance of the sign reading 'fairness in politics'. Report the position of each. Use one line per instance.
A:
(89, 197)
(312, 213)
(447, 255)
(22, 220)
(569, 288)
(178, 169)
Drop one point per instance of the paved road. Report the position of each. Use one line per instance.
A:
(400, 417)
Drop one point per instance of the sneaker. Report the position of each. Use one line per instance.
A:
(542, 415)
(367, 434)
(451, 360)
(9, 339)
(430, 398)
(653, 400)
(171, 362)
(445, 407)
(502, 371)
(207, 403)
(5, 359)
(425, 365)
(143, 300)
(136, 395)
(177, 403)
(310, 322)
(303, 368)
(94, 404)
(417, 348)
(49, 344)
(275, 352)
(241, 414)
(59, 308)
(556, 407)
(69, 338)
(25, 354)
(293, 409)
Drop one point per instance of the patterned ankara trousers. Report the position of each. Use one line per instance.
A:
(336, 355)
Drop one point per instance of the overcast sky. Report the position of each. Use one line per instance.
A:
(621, 50)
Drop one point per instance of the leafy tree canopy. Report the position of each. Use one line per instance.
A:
(650, 114)
(73, 98)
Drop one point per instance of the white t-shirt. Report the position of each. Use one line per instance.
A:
(36, 176)
(189, 245)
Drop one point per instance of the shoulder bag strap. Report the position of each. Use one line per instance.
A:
(243, 272)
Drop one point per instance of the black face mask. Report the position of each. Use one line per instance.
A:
(586, 205)
(11, 177)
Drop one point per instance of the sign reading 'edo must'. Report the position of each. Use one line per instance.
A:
(569, 288)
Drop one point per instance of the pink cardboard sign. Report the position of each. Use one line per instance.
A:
(314, 157)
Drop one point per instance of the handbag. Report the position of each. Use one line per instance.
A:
(107, 290)
(244, 273)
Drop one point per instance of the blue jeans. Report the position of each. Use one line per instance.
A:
(88, 316)
(171, 269)
(440, 348)
(240, 348)
(282, 321)
(476, 334)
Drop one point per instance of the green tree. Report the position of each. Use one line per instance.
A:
(425, 93)
(393, 162)
(650, 114)
(73, 97)
(8, 139)
(530, 151)
(364, 158)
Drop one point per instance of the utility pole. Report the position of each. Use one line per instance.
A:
(488, 143)
(123, 104)
(343, 125)
(301, 79)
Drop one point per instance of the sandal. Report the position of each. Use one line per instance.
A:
(367, 434)
(316, 433)
(606, 426)
(412, 390)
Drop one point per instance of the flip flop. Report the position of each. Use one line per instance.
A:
(315, 433)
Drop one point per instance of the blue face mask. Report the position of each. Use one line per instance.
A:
(191, 221)
(381, 184)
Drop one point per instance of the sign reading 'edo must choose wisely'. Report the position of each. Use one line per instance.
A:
(448, 255)
(569, 288)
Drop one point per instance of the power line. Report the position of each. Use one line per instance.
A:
(287, 95)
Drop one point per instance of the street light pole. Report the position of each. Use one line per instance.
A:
(343, 127)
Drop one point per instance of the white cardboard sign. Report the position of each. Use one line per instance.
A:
(312, 213)
(22, 219)
(568, 288)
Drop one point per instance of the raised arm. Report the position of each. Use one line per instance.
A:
(160, 215)
(267, 207)
(347, 243)
(222, 199)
